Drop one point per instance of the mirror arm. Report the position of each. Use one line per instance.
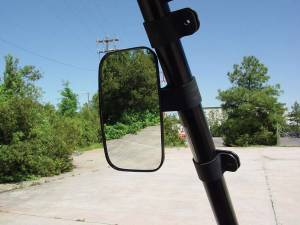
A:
(180, 98)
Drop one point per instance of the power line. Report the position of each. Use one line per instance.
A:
(99, 12)
(60, 19)
(98, 23)
(86, 26)
(43, 56)
(69, 7)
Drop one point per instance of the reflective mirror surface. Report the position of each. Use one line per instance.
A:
(129, 110)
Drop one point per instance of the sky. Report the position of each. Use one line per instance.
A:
(59, 38)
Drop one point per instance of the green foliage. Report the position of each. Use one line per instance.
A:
(294, 115)
(23, 160)
(216, 130)
(34, 142)
(251, 105)
(94, 104)
(129, 93)
(89, 147)
(37, 140)
(69, 102)
(293, 127)
(171, 128)
(17, 118)
(128, 83)
(34, 139)
(131, 123)
(19, 81)
(89, 120)
(215, 120)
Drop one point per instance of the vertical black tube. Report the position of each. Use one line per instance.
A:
(177, 72)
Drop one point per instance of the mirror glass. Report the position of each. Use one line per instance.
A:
(129, 109)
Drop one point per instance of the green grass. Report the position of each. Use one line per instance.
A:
(91, 147)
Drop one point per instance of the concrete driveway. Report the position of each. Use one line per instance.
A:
(140, 151)
(265, 191)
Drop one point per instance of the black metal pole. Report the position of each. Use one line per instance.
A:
(177, 72)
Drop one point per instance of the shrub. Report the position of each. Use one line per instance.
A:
(35, 140)
(131, 123)
(37, 143)
(237, 135)
(171, 128)
(112, 132)
(24, 160)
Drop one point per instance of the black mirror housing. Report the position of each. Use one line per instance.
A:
(130, 115)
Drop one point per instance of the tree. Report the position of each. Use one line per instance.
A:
(19, 81)
(253, 112)
(129, 84)
(215, 119)
(19, 107)
(94, 103)
(294, 118)
(69, 102)
(34, 139)
(90, 123)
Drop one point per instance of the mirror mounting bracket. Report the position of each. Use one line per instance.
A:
(180, 98)
(214, 169)
(172, 27)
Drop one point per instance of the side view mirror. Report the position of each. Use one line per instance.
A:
(130, 115)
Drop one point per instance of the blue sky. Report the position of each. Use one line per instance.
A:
(58, 37)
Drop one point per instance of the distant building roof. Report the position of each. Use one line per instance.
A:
(212, 107)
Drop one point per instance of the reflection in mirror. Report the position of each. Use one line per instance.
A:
(130, 114)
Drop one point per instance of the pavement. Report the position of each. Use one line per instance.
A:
(140, 151)
(283, 142)
(264, 191)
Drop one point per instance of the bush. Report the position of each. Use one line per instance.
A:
(171, 128)
(24, 160)
(37, 143)
(18, 115)
(237, 135)
(216, 130)
(35, 140)
(131, 123)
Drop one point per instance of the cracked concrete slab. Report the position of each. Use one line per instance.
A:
(265, 191)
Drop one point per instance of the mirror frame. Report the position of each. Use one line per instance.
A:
(100, 94)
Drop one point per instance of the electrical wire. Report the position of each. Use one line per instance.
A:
(80, 20)
(99, 22)
(43, 56)
(69, 7)
(61, 19)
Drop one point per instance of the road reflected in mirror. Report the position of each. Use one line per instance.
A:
(140, 147)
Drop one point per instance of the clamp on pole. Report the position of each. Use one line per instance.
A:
(180, 98)
(172, 27)
(214, 169)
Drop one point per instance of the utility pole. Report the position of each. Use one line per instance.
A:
(87, 95)
(106, 42)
